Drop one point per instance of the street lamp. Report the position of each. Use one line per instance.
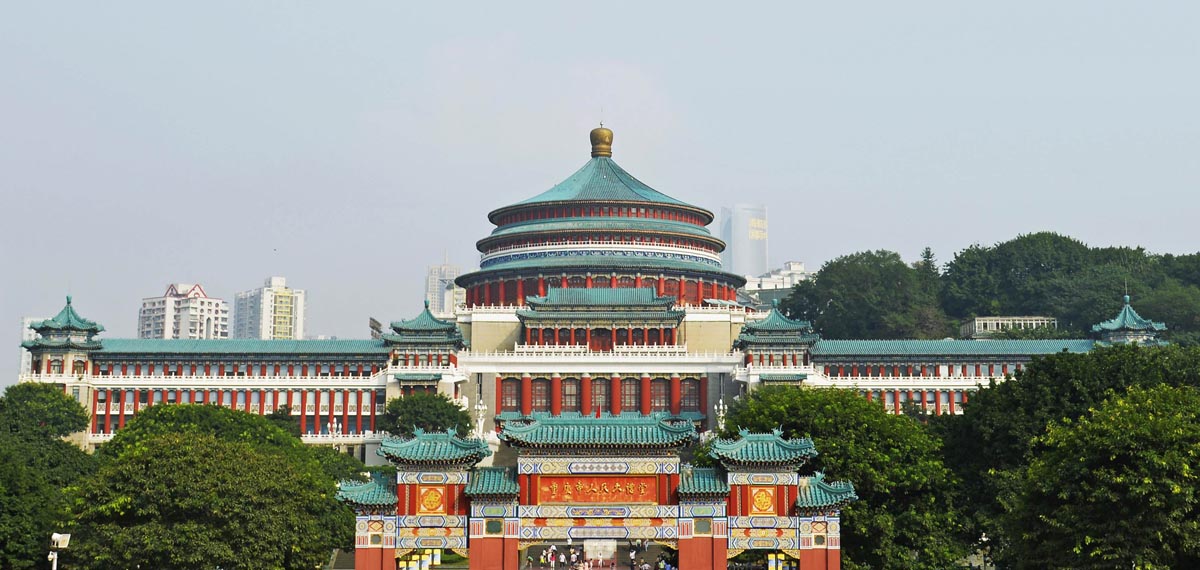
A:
(57, 542)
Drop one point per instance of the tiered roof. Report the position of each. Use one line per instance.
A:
(776, 329)
(492, 482)
(927, 348)
(379, 491)
(445, 449)
(66, 330)
(762, 450)
(1128, 320)
(425, 329)
(625, 431)
(602, 180)
(815, 493)
(580, 304)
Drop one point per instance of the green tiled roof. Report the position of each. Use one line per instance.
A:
(1128, 320)
(703, 481)
(624, 263)
(815, 493)
(380, 491)
(67, 320)
(492, 482)
(915, 348)
(417, 377)
(602, 180)
(439, 448)
(604, 224)
(61, 343)
(624, 431)
(776, 321)
(424, 322)
(604, 297)
(241, 346)
(762, 449)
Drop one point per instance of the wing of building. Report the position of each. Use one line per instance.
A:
(599, 337)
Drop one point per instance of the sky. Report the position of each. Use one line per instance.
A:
(348, 146)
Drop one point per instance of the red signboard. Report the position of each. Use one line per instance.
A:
(576, 489)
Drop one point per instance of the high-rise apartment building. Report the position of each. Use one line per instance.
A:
(439, 288)
(184, 311)
(273, 311)
(744, 230)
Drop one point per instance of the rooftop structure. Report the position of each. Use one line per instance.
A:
(273, 311)
(744, 230)
(184, 311)
(987, 327)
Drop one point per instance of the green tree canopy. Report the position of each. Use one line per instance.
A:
(428, 411)
(1117, 488)
(871, 294)
(902, 519)
(37, 410)
(250, 461)
(190, 500)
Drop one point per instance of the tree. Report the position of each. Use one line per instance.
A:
(428, 411)
(311, 513)
(1117, 488)
(902, 519)
(871, 294)
(282, 417)
(37, 410)
(991, 444)
(189, 500)
(35, 466)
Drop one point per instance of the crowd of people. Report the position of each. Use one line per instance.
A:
(551, 558)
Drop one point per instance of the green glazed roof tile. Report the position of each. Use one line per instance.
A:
(602, 180)
(68, 319)
(424, 322)
(761, 449)
(1128, 320)
(703, 481)
(60, 343)
(437, 448)
(380, 491)
(782, 377)
(776, 321)
(606, 296)
(241, 346)
(492, 482)
(586, 315)
(915, 348)
(602, 224)
(815, 493)
(630, 430)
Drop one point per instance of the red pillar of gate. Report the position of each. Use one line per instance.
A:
(555, 395)
(585, 396)
(526, 394)
(645, 395)
(614, 395)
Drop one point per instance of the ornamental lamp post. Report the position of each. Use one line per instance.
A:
(57, 542)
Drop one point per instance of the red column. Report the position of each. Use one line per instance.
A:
(541, 336)
(952, 393)
(121, 412)
(528, 336)
(555, 395)
(896, 400)
(526, 394)
(645, 394)
(637, 281)
(679, 294)
(658, 286)
(588, 282)
(95, 404)
(521, 292)
(499, 394)
(646, 336)
(487, 294)
(563, 283)
(614, 395)
(358, 411)
(676, 395)
(541, 286)
(613, 283)
(345, 411)
(704, 395)
(587, 336)
(108, 412)
(303, 411)
(372, 404)
(585, 396)
(937, 402)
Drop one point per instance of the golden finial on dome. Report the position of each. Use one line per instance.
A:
(601, 141)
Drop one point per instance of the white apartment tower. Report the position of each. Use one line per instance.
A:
(184, 311)
(271, 312)
(440, 290)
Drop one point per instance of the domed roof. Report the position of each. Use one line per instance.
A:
(602, 180)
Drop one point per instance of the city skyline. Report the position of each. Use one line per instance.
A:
(910, 128)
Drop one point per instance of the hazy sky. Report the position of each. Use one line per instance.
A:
(348, 145)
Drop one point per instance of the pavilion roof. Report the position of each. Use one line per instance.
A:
(816, 493)
(379, 491)
(572, 430)
(424, 322)
(434, 448)
(492, 482)
(703, 481)
(67, 320)
(762, 449)
(1128, 320)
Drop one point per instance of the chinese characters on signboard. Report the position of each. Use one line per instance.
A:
(597, 489)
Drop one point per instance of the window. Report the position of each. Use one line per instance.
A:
(629, 394)
(510, 399)
(600, 394)
(660, 395)
(541, 395)
(689, 396)
(570, 395)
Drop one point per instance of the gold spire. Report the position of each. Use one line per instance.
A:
(601, 141)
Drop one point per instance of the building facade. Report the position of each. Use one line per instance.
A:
(599, 337)
(271, 312)
(774, 285)
(184, 311)
(987, 327)
(744, 230)
(440, 291)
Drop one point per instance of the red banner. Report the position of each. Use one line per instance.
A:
(576, 489)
